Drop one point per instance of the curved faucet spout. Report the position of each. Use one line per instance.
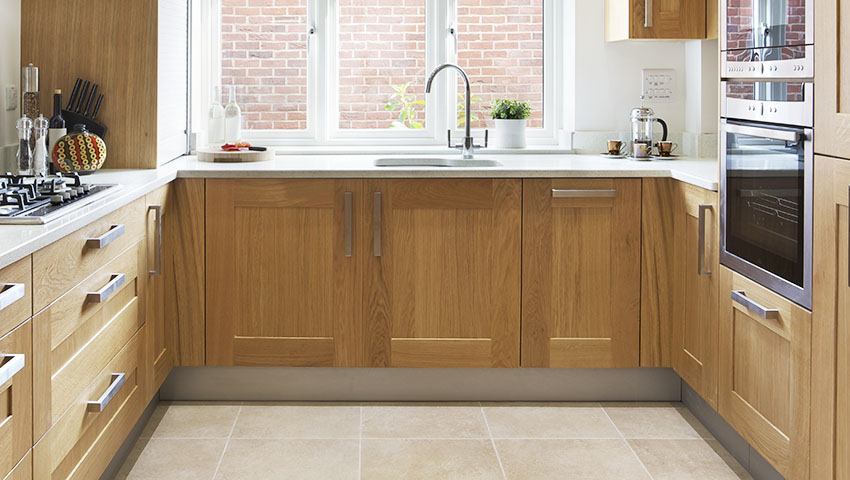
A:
(468, 145)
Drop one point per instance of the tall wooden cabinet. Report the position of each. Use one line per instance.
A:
(581, 272)
(832, 103)
(665, 19)
(765, 365)
(443, 282)
(831, 321)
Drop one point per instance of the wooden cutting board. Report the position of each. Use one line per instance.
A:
(217, 155)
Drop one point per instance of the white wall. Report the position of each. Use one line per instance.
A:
(10, 70)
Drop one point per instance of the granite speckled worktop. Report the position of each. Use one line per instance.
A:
(18, 241)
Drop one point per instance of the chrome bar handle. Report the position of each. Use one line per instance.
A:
(99, 405)
(100, 296)
(701, 271)
(10, 366)
(556, 193)
(11, 293)
(348, 197)
(114, 232)
(766, 313)
(158, 234)
(376, 224)
(647, 14)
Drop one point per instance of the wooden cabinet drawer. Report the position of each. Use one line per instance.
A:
(84, 440)
(15, 396)
(23, 471)
(63, 264)
(76, 336)
(765, 366)
(15, 294)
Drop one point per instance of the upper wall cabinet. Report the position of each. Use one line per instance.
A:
(832, 103)
(659, 19)
(117, 45)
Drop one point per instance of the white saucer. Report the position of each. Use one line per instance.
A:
(668, 157)
(636, 159)
(608, 155)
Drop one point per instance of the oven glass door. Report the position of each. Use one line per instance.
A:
(767, 24)
(767, 206)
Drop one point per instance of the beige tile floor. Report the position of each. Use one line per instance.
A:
(246, 441)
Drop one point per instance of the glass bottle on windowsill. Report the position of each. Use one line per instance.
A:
(215, 120)
(232, 119)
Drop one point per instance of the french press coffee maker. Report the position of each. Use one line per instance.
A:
(643, 119)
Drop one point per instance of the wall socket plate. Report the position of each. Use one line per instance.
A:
(11, 98)
(659, 85)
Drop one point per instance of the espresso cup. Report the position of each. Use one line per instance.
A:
(615, 147)
(665, 149)
(641, 150)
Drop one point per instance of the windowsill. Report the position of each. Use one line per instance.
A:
(414, 150)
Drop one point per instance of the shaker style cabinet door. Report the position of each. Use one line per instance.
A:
(581, 273)
(831, 321)
(765, 366)
(832, 103)
(282, 265)
(443, 282)
(656, 19)
(695, 286)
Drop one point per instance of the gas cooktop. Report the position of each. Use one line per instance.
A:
(29, 199)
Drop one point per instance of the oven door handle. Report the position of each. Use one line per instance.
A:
(786, 135)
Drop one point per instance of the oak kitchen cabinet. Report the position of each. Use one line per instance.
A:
(831, 321)
(581, 272)
(658, 19)
(765, 364)
(363, 273)
(832, 103)
(443, 279)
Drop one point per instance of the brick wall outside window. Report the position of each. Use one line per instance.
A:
(381, 45)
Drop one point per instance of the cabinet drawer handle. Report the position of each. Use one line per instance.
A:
(157, 269)
(100, 296)
(100, 404)
(11, 293)
(376, 224)
(766, 313)
(701, 271)
(583, 193)
(114, 232)
(348, 198)
(647, 14)
(11, 365)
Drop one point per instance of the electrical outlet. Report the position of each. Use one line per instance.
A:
(11, 97)
(659, 85)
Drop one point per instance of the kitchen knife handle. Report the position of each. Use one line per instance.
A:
(766, 313)
(376, 224)
(11, 293)
(701, 245)
(74, 93)
(114, 232)
(157, 268)
(347, 221)
(90, 99)
(97, 107)
(99, 405)
(82, 96)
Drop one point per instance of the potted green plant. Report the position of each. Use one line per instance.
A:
(510, 117)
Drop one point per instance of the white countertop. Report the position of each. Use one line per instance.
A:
(18, 241)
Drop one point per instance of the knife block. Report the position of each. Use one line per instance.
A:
(93, 126)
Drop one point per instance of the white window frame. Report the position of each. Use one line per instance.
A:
(323, 90)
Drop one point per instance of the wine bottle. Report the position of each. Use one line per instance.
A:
(57, 128)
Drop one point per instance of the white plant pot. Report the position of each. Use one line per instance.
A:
(509, 134)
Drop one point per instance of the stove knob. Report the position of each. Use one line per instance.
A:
(56, 199)
(80, 190)
(87, 187)
(66, 195)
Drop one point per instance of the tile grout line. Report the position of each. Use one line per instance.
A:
(227, 443)
(493, 443)
(629, 445)
(360, 447)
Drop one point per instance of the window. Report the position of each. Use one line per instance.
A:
(342, 72)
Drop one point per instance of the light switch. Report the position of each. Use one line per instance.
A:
(11, 97)
(658, 85)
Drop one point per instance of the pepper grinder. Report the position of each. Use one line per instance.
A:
(24, 126)
(39, 156)
(29, 98)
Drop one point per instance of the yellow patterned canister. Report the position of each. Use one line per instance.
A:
(80, 151)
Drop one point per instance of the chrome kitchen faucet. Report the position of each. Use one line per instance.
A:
(468, 146)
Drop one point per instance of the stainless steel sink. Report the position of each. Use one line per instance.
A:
(435, 162)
